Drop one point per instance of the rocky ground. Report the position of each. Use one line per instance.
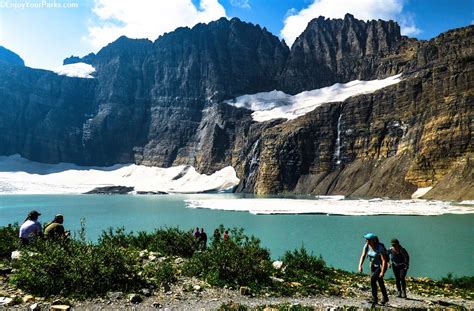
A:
(193, 294)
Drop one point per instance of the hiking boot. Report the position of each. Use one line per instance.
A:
(404, 295)
(372, 301)
(399, 294)
(384, 301)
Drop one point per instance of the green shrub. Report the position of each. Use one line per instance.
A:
(9, 240)
(165, 273)
(76, 268)
(239, 261)
(304, 268)
(232, 306)
(464, 282)
(299, 262)
(168, 241)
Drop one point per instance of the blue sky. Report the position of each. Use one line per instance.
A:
(44, 35)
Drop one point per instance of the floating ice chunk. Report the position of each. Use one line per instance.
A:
(76, 70)
(22, 176)
(277, 104)
(330, 197)
(420, 192)
(331, 207)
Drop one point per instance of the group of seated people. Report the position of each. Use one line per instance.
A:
(31, 228)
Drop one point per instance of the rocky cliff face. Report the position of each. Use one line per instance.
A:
(161, 103)
(332, 51)
(414, 134)
(10, 58)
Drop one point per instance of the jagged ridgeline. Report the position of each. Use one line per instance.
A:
(165, 103)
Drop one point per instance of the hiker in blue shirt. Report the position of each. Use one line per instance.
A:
(400, 261)
(378, 265)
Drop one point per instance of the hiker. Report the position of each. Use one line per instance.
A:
(378, 265)
(31, 228)
(196, 233)
(55, 228)
(217, 235)
(226, 235)
(400, 261)
(202, 239)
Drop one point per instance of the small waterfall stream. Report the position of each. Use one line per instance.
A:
(337, 149)
(254, 161)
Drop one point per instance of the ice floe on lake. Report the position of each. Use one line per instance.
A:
(277, 104)
(76, 70)
(21, 176)
(332, 206)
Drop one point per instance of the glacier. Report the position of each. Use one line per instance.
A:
(333, 205)
(21, 176)
(76, 70)
(277, 104)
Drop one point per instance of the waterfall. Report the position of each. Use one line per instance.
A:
(337, 151)
(254, 161)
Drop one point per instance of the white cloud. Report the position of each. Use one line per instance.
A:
(407, 25)
(244, 4)
(148, 18)
(296, 23)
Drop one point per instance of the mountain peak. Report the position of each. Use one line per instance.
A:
(9, 57)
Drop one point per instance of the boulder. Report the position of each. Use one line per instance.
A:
(28, 298)
(145, 292)
(245, 291)
(135, 298)
(277, 264)
(114, 295)
(59, 308)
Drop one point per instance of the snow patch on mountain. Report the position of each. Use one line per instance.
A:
(277, 104)
(76, 70)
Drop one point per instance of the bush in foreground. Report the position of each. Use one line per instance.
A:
(168, 241)
(9, 240)
(464, 282)
(77, 268)
(236, 262)
(308, 273)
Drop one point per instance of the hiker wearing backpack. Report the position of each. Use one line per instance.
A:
(400, 261)
(378, 265)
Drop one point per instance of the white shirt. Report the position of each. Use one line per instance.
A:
(29, 228)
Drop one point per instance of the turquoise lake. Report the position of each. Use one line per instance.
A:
(438, 245)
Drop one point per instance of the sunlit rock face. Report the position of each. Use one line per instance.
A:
(165, 104)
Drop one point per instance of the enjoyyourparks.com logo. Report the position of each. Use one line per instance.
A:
(43, 4)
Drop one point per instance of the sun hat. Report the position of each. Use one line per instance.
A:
(369, 236)
(33, 213)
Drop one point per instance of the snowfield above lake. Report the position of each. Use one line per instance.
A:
(333, 206)
(277, 104)
(77, 70)
(21, 176)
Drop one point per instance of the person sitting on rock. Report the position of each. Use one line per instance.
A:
(31, 228)
(55, 228)
(400, 261)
